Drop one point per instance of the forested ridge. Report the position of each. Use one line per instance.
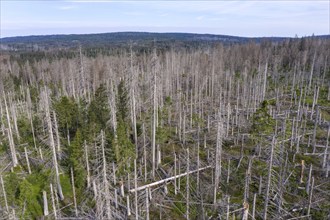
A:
(120, 39)
(237, 131)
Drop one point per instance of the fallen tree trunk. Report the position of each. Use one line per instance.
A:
(167, 179)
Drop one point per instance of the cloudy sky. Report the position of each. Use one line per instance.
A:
(240, 18)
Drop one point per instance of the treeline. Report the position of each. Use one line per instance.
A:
(120, 39)
(236, 131)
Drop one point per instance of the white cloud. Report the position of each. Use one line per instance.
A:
(64, 8)
(217, 19)
(90, 1)
(242, 17)
(134, 13)
(200, 18)
(42, 24)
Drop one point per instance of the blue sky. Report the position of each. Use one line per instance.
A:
(240, 18)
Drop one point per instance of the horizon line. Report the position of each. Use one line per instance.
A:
(154, 32)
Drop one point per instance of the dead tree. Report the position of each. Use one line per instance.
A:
(10, 136)
(217, 174)
(270, 170)
(52, 142)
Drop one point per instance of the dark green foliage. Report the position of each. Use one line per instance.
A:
(197, 120)
(11, 182)
(98, 111)
(30, 192)
(262, 121)
(3, 146)
(124, 148)
(109, 146)
(139, 129)
(122, 103)
(76, 157)
(34, 95)
(164, 131)
(163, 134)
(66, 188)
(67, 112)
(28, 197)
(27, 192)
(25, 130)
(323, 93)
(168, 101)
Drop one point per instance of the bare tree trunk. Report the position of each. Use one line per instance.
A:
(188, 185)
(175, 184)
(31, 118)
(53, 200)
(247, 180)
(82, 75)
(134, 124)
(4, 193)
(74, 193)
(94, 190)
(269, 178)
(325, 156)
(159, 156)
(147, 204)
(44, 196)
(52, 143)
(87, 165)
(1, 120)
(265, 81)
(105, 179)
(228, 203)
(198, 160)
(314, 131)
(167, 179)
(254, 205)
(184, 126)
(57, 202)
(128, 206)
(302, 171)
(14, 118)
(310, 198)
(245, 211)
(218, 153)
(309, 178)
(10, 137)
(144, 153)
(114, 173)
(311, 74)
(27, 160)
(133, 102)
(154, 129)
(122, 191)
(135, 193)
(315, 98)
(57, 135)
(228, 118)
(228, 172)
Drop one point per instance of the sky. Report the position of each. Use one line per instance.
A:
(261, 18)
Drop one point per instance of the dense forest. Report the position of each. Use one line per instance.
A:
(120, 39)
(212, 131)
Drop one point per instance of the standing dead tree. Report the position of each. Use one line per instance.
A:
(51, 141)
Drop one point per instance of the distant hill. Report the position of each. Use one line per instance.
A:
(120, 39)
